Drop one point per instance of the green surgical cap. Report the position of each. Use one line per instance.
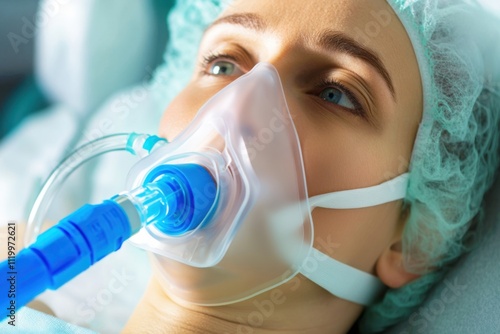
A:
(455, 156)
(456, 151)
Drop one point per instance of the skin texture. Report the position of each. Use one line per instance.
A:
(342, 148)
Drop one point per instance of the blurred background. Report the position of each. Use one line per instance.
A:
(16, 59)
(35, 37)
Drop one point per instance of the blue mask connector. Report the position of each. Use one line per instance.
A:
(174, 198)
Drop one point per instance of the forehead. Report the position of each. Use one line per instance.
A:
(372, 18)
(313, 14)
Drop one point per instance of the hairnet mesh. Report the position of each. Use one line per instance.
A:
(455, 153)
(455, 156)
(456, 150)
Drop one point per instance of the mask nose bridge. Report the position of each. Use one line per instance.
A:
(288, 76)
(265, 75)
(261, 84)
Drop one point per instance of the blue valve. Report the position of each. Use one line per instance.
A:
(195, 193)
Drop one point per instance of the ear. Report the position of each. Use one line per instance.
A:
(389, 267)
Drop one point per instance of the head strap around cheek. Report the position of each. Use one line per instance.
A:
(363, 197)
(336, 277)
(342, 280)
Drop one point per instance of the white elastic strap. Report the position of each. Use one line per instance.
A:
(364, 197)
(344, 281)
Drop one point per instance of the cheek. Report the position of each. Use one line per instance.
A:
(182, 110)
(176, 117)
(338, 157)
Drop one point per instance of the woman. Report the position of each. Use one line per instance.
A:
(375, 89)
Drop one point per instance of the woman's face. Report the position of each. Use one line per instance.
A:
(352, 85)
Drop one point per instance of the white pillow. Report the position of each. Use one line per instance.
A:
(88, 49)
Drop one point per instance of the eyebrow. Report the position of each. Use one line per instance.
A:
(339, 42)
(246, 20)
(329, 40)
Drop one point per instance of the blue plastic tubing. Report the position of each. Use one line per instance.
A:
(64, 251)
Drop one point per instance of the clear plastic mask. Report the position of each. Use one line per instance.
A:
(260, 231)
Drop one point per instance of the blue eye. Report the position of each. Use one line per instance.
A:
(222, 67)
(336, 96)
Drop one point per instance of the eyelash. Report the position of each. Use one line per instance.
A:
(325, 83)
